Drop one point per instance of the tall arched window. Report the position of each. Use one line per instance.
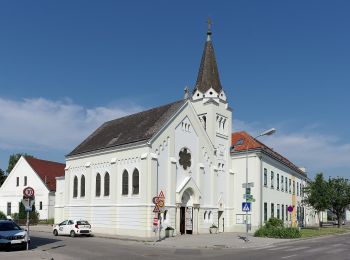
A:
(75, 187)
(135, 182)
(106, 184)
(82, 186)
(98, 185)
(125, 182)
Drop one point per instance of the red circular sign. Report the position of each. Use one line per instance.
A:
(28, 192)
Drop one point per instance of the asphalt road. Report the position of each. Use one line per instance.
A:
(46, 246)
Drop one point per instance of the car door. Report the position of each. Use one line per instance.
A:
(69, 227)
(62, 227)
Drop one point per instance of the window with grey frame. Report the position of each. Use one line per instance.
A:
(135, 182)
(82, 186)
(282, 211)
(290, 186)
(75, 187)
(25, 180)
(265, 177)
(278, 181)
(272, 180)
(278, 211)
(98, 185)
(8, 208)
(125, 183)
(286, 182)
(17, 181)
(282, 183)
(106, 184)
(272, 210)
(265, 212)
(293, 187)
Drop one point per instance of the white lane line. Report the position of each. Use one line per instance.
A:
(336, 251)
(317, 249)
(297, 248)
(279, 248)
(288, 256)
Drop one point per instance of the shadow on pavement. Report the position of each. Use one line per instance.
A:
(40, 241)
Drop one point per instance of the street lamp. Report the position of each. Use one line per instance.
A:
(267, 132)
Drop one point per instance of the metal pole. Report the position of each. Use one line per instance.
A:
(28, 226)
(246, 189)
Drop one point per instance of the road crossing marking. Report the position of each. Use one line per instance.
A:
(297, 248)
(279, 248)
(288, 256)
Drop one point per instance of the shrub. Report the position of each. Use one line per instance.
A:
(2, 215)
(274, 228)
(274, 222)
(277, 232)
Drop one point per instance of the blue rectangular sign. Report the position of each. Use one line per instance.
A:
(246, 206)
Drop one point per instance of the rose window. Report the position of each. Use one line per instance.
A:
(185, 158)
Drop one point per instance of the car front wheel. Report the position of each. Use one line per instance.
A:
(55, 233)
(72, 233)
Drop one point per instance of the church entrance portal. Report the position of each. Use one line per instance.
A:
(186, 213)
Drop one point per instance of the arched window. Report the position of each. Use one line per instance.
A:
(125, 183)
(98, 185)
(205, 215)
(75, 187)
(165, 213)
(106, 184)
(209, 215)
(82, 186)
(205, 122)
(135, 182)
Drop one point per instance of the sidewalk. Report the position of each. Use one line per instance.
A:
(214, 241)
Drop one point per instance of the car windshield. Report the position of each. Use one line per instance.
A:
(8, 226)
(82, 222)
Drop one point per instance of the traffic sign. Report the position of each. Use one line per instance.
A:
(159, 202)
(28, 192)
(247, 196)
(246, 206)
(28, 204)
(290, 208)
(248, 185)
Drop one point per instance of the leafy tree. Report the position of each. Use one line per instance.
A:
(14, 159)
(33, 215)
(2, 177)
(317, 194)
(339, 197)
(2, 215)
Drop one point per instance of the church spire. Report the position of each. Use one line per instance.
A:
(208, 75)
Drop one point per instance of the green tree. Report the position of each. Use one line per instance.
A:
(2, 177)
(33, 215)
(317, 194)
(14, 159)
(339, 197)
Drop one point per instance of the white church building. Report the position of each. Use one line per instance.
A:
(182, 148)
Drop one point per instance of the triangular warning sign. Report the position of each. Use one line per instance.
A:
(246, 207)
(161, 194)
(156, 209)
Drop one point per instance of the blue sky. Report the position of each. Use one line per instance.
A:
(67, 66)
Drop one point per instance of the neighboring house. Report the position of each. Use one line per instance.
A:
(181, 148)
(277, 184)
(38, 174)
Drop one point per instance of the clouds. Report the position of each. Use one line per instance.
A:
(39, 123)
(307, 147)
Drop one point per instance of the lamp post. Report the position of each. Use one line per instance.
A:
(267, 132)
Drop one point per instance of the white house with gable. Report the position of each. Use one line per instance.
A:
(38, 174)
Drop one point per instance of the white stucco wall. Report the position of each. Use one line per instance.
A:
(11, 193)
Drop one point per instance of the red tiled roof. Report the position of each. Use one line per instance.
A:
(47, 170)
(240, 144)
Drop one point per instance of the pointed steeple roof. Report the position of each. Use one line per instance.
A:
(208, 75)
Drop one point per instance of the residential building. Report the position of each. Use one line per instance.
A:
(35, 173)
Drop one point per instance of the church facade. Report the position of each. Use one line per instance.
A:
(182, 149)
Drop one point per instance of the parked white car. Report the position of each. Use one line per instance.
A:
(11, 235)
(72, 228)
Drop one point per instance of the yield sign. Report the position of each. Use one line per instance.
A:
(246, 206)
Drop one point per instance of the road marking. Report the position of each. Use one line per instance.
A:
(288, 256)
(297, 248)
(335, 251)
(279, 248)
(317, 249)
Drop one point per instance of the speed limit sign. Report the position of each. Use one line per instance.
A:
(28, 192)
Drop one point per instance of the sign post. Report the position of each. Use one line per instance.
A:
(159, 207)
(28, 202)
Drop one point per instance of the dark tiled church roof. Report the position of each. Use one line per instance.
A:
(129, 129)
(208, 75)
